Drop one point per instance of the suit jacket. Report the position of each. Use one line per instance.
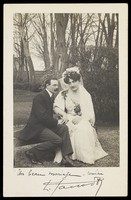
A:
(41, 117)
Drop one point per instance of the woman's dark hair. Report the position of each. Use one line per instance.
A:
(71, 75)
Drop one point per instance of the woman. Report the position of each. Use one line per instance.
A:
(75, 108)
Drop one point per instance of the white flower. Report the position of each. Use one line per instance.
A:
(71, 69)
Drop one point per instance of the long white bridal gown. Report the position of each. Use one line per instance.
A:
(85, 143)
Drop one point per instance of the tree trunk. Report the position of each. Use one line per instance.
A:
(52, 50)
(73, 40)
(61, 55)
(25, 44)
(117, 28)
(97, 43)
(45, 45)
(21, 53)
(111, 27)
(21, 62)
(30, 63)
(104, 28)
(27, 71)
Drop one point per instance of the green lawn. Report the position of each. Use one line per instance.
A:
(107, 134)
(22, 105)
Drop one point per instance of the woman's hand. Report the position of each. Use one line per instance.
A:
(76, 120)
(65, 118)
(91, 122)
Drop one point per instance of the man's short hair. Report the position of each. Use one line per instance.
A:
(48, 81)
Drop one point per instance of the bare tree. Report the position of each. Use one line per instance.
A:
(117, 28)
(19, 54)
(61, 39)
(41, 41)
(61, 56)
(22, 21)
(108, 26)
(52, 34)
(110, 30)
(74, 36)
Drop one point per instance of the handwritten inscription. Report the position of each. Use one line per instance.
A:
(96, 172)
(63, 174)
(62, 185)
(20, 173)
(66, 181)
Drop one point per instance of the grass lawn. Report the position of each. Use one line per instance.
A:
(107, 134)
(22, 105)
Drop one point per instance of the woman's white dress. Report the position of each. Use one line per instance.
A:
(86, 147)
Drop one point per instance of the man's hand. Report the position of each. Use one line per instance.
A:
(76, 120)
(63, 120)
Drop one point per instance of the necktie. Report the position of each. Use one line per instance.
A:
(52, 98)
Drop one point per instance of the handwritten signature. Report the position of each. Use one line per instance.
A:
(62, 185)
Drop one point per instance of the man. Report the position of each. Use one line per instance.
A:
(44, 129)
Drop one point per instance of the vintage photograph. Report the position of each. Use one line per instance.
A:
(65, 100)
(66, 89)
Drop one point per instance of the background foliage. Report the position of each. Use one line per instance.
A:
(89, 41)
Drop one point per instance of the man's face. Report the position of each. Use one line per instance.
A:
(53, 87)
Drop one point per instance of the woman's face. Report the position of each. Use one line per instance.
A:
(73, 85)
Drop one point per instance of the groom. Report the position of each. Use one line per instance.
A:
(44, 129)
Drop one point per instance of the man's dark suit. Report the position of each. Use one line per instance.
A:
(42, 127)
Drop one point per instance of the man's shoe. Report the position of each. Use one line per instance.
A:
(67, 162)
(64, 163)
(32, 159)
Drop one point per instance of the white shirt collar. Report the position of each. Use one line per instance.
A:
(49, 92)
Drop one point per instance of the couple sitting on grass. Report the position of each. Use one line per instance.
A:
(70, 137)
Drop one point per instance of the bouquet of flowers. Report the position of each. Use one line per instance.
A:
(77, 109)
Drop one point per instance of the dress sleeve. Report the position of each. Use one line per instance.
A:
(59, 101)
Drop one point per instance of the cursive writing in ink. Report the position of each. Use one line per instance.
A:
(62, 185)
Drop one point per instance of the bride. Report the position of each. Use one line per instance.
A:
(74, 107)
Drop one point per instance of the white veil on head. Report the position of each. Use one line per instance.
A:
(71, 69)
(85, 98)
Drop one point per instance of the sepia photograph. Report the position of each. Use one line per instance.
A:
(66, 94)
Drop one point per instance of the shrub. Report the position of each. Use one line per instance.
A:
(21, 86)
(104, 89)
